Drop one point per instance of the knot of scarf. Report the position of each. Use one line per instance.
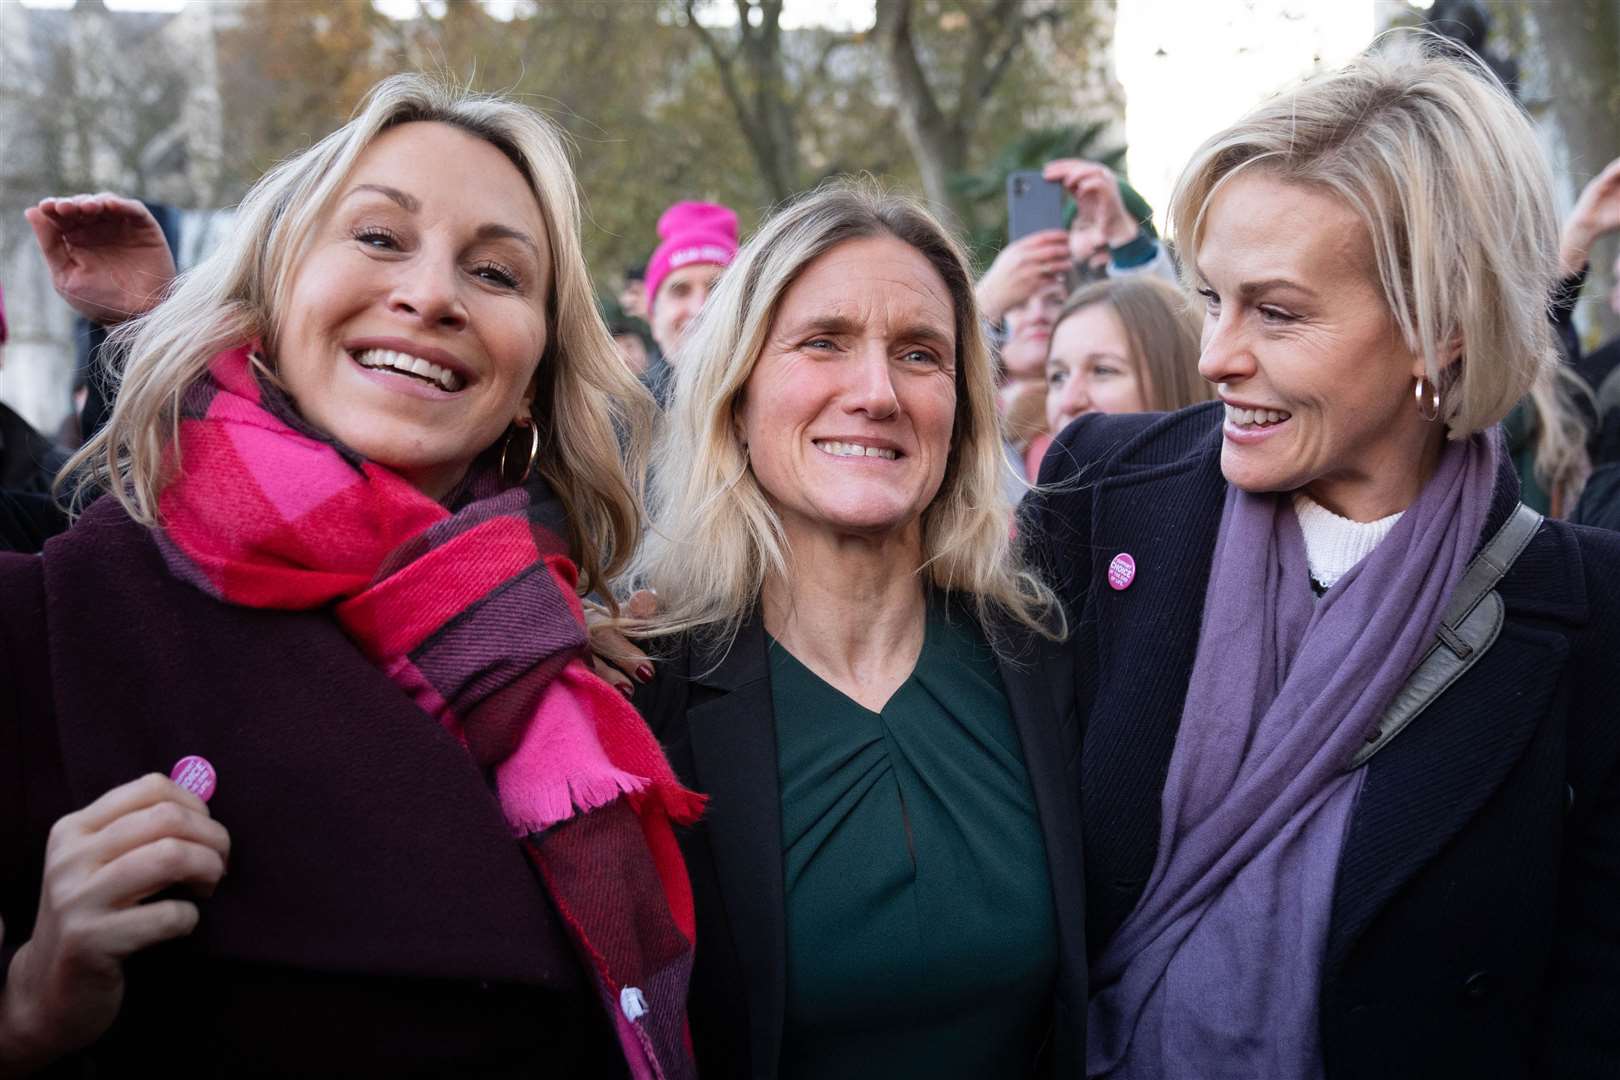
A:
(475, 615)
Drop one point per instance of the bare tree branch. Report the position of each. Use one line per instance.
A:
(1004, 21)
(762, 109)
(722, 62)
(893, 27)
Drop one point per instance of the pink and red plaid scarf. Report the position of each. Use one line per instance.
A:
(475, 615)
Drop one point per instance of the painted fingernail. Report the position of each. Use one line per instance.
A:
(645, 672)
(626, 689)
(196, 775)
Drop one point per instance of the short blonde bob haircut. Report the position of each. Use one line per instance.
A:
(1425, 145)
(582, 387)
(1161, 330)
(715, 539)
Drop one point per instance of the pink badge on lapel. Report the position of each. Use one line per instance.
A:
(1122, 571)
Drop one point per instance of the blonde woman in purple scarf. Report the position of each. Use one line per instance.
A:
(1351, 764)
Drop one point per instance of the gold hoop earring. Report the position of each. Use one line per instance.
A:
(1428, 405)
(534, 451)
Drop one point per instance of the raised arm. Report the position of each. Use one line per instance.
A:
(106, 254)
(1596, 213)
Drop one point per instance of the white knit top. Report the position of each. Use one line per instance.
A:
(1334, 544)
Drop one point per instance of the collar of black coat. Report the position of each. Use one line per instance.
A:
(1120, 452)
(728, 665)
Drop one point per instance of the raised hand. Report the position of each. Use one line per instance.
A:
(1022, 268)
(1596, 213)
(106, 254)
(65, 985)
(1101, 220)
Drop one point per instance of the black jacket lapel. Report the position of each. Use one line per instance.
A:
(1047, 736)
(732, 728)
(1137, 660)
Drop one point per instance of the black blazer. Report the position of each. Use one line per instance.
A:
(1475, 928)
(718, 728)
(376, 918)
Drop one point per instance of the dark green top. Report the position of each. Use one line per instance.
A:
(921, 939)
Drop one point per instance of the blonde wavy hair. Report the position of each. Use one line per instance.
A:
(715, 539)
(1423, 142)
(583, 391)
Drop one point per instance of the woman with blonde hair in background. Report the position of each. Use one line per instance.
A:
(1350, 776)
(854, 670)
(362, 466)
(1123, 345)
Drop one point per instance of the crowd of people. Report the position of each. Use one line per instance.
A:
(1148, 658)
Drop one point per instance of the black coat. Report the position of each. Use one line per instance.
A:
(28, 465)
(376, 918)
(718, 728)
(1475, 927)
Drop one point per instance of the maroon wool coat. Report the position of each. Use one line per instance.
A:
(376, 917)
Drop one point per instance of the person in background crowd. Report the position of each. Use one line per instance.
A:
(1123, 345)
(633, 294)
(887, 876)
(1021, 391)
(1548, 436)
(1313, 736)
(363, 462)
(70, 433)
(28, 462)
(697, 241)
(629, 335)
(1105, 238)
(1027, 283)
(110, 259)
(1596, 215)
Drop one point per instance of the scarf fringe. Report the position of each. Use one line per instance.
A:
(541, 806)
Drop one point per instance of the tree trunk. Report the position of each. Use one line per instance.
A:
(754, 84)
(939, 138)
(938, 150)
(1582, 43)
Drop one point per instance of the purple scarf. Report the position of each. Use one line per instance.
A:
(1217, 970)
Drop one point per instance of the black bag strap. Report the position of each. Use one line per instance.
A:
(1472, 620)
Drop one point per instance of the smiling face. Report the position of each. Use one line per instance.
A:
(1029, 331)
(848, 414)
(1317, 380)
(416, 318)
(680, 298)
(1089, 368)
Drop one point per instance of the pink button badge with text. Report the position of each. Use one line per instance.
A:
(196, 775)
(1122, 571)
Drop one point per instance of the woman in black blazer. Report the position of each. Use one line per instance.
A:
(713, 715)
(1350, 771)
(887, 875)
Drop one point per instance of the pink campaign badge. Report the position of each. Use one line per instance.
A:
(1122, 571)
(196, 775)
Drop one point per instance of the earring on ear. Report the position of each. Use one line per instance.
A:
(506, 447)
(1428, 404)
